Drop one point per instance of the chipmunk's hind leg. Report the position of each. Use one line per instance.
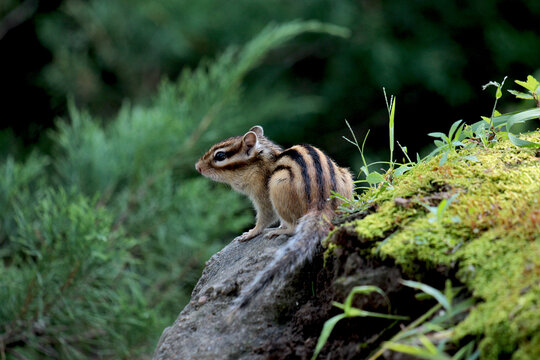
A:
(286, 202)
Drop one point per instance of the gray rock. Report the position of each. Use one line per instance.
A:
(202, 331)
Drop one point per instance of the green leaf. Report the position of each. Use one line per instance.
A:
(355, 312)
(514, 117)
(391, 125)
(402, 170)
(461, 352)
(521, 95)
(498, 94)
(522, 143)
(325, 333)
(459, 131)
(531, 84)
(437, 134)
(407, 349)
(472, 158)
(362, 313)
(375, 178)
(392, 113)
(429, 290)
(520, 118)
(444, 158)
(453, 128)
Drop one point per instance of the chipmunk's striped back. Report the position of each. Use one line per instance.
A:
(310, 176)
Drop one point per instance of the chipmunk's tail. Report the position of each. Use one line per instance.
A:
(299, 249)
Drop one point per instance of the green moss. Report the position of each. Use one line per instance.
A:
(490, 233)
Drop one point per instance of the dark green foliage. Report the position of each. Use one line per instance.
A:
(102, 242)
(17, 184)
(67, 289)
(104, 51)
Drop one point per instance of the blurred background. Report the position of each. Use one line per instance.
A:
(434, 56)
(106, 105)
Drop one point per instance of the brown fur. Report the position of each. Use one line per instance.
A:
(282, 184)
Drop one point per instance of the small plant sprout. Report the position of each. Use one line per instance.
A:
(448, 143)
(391, 107)
(498, 95)
(436, 213)
(349, 311)
(372, 178)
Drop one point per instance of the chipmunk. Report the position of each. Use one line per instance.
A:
(292, 185)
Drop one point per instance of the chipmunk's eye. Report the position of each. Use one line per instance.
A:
(220, 156)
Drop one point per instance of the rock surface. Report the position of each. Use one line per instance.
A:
(286, 320)
(201, 330)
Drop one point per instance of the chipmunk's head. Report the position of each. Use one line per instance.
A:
(240, 153)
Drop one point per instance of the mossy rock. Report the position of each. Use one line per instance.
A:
(487, 238)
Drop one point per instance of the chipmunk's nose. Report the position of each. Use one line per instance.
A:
(197, 166)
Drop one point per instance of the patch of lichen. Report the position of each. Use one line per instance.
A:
(490, 233)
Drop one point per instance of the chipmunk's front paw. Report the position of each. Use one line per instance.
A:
(248, 235)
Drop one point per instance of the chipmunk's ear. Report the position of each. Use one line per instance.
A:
(257, 130)
(250, 139)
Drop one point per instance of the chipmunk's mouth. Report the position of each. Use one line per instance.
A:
(208, 173)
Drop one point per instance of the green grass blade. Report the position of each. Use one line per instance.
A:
(521, 118)
(325, 333)
(354, 312)
(453, 129)
(429, 290)
(407, 349)
(464, 351)
(522, 143)
(513, 118)
(364, 289)
(428, 344)
(391, 126)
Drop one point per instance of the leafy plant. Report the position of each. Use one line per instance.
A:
(427, 337)
(510, 120)
(486, 131)
(373, 178)
(349, 312)
(65, 280)
(498, 95)
(448, 143)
